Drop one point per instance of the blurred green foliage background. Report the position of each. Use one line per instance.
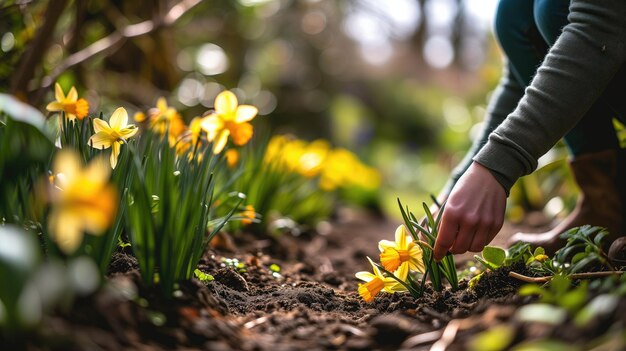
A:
(403, 83)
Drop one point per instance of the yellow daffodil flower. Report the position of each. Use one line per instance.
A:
(249, 215)
(402, 254)
(70, 104)
(312, 160)
(190, 139)
(274, 149)
(375, 282)
(83, 200)
(112, 134)
(229, 119)
(162, 118)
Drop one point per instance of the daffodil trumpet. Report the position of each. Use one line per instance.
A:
(376, 282)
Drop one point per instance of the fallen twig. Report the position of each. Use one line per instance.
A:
(448, 336)
(587, 275)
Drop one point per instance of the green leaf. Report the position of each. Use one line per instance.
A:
(600, 237)
(485, 263)
(573, 300)
(541, 313)
(495, 339)
(494, 255)
(559, 285)
(472, 283)
(545, 345)
(22, 112)
(600, 305)
(579, 256)
(532, 289)
(518, 252)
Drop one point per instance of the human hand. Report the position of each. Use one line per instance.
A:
(473, 214)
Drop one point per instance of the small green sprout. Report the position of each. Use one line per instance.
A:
(274, 268)
(234, 263)
(203, 277)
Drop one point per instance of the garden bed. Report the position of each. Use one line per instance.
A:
(309, 303)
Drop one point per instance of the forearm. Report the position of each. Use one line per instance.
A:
(503, 101)
(574, 74)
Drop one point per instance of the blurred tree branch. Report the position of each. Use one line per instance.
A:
(33, 56)
(114, 40)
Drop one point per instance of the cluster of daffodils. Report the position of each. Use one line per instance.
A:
(398, 258)
(83, 201)
(227, 121)
(335, 167)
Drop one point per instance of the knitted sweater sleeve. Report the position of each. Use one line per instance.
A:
(503, 101)
(575, 72)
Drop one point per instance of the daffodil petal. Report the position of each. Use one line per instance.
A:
(401, 238)
(226, 103)
(375, 268)
(58, 92)
(119, 119)
(129, 131)
(68, 164)
(72, 96)
(66, 231)
(98, 170)
(386, 244)
(403, 271)
(115, 152)
(100, 125)
(54, 106)
(100, 140)
(212, 125)
(365, 276)
(245, 113)
(416, 264)
(161, 104)
(221, 141)
(392, 286)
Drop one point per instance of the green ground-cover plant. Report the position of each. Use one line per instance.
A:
(562, 297)
(584, 247)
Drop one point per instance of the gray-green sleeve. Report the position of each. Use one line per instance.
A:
(503, 101)
(574, 74)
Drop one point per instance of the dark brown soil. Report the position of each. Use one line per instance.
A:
(311, 303)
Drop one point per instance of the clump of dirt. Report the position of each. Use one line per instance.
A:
(497, 284)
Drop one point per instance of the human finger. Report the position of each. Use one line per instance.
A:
(464, 237)
(447, 234)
